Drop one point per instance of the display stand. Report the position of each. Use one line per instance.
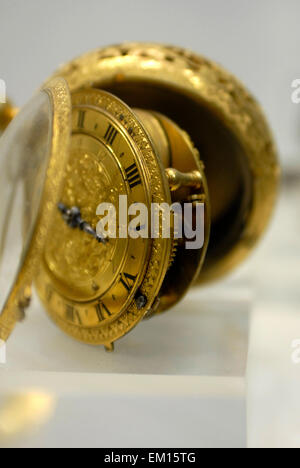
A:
(178, 380)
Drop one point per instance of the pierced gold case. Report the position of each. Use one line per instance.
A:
(170, 126)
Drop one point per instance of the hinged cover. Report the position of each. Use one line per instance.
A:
(33, 154)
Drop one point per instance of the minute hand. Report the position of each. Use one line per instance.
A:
(72, 217)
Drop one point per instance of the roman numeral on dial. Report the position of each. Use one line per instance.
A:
(110, 134)
(102, 311)
(81, 117)
(73, 315)
(127, 280)
(49, 292)
(133, 176)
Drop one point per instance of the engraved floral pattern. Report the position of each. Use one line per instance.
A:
(87, 184)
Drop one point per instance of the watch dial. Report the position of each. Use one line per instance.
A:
(86, 283)
(94, 291)
(24, 156)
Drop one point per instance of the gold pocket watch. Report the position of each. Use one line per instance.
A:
(128, 126)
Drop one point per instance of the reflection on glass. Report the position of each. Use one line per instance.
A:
(24, 156)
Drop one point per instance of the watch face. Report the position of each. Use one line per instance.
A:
(24, 157)
(93, 289)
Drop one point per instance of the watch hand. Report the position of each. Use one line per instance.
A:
(72, 217)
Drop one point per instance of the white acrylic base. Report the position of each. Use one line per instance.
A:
(175, 381)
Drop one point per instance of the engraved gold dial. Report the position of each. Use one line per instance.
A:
(87, 284)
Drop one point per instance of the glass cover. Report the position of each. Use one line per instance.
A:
(24, 156)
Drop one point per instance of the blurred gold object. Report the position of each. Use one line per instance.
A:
(20, 413)
(158, 124)
(7, 114)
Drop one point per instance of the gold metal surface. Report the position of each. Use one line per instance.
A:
(91, 290)
(188, 173)
(178, 180)
(19, 297)
(7, 114)
(189, 131)
(157, 133)
(224, 121)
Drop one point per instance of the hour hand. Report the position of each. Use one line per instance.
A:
(72, 216)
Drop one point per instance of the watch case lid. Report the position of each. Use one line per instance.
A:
(34, 152)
